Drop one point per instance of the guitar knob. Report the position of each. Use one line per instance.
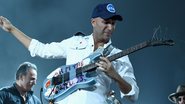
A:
(56, 92)
(65, 85)
(57, 89)
(60, 88)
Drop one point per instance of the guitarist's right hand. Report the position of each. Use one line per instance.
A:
(5, 24)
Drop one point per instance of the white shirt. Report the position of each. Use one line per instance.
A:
(75, 49)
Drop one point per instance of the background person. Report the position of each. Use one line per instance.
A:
(21, 91)
(178, 97)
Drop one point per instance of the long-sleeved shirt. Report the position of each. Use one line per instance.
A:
(77, 48)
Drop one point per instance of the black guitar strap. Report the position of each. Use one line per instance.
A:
(108, 50)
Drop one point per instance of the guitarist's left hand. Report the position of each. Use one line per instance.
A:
(106, 66)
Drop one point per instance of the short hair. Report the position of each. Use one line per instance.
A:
(24, 68)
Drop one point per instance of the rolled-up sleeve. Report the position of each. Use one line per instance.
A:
(49, 50)
(125, 69)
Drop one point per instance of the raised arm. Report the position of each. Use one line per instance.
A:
(6, 25)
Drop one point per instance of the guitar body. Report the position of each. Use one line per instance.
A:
(63, 89)
(66, 79)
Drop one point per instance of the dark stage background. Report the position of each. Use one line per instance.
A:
(158, 70)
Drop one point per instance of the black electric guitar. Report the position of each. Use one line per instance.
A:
(68, 78)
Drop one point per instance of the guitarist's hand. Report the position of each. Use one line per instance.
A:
(5, 24)
(106, 66)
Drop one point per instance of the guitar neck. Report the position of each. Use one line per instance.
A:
(117, 55)
(128, 51)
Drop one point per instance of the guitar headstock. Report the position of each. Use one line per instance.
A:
(159, 42)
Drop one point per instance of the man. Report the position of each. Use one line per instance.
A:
(179, 96)
(21, 91)
(76, 48)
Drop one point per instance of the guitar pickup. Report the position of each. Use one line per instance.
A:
(56, 80)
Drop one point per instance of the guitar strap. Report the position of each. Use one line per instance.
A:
(108, 50)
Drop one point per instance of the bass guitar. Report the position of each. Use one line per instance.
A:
(68, 78)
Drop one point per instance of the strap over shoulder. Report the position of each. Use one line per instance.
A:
(108, 50)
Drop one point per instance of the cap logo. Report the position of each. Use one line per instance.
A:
(111, 8)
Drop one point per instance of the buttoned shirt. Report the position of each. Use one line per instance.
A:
(77, 48)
